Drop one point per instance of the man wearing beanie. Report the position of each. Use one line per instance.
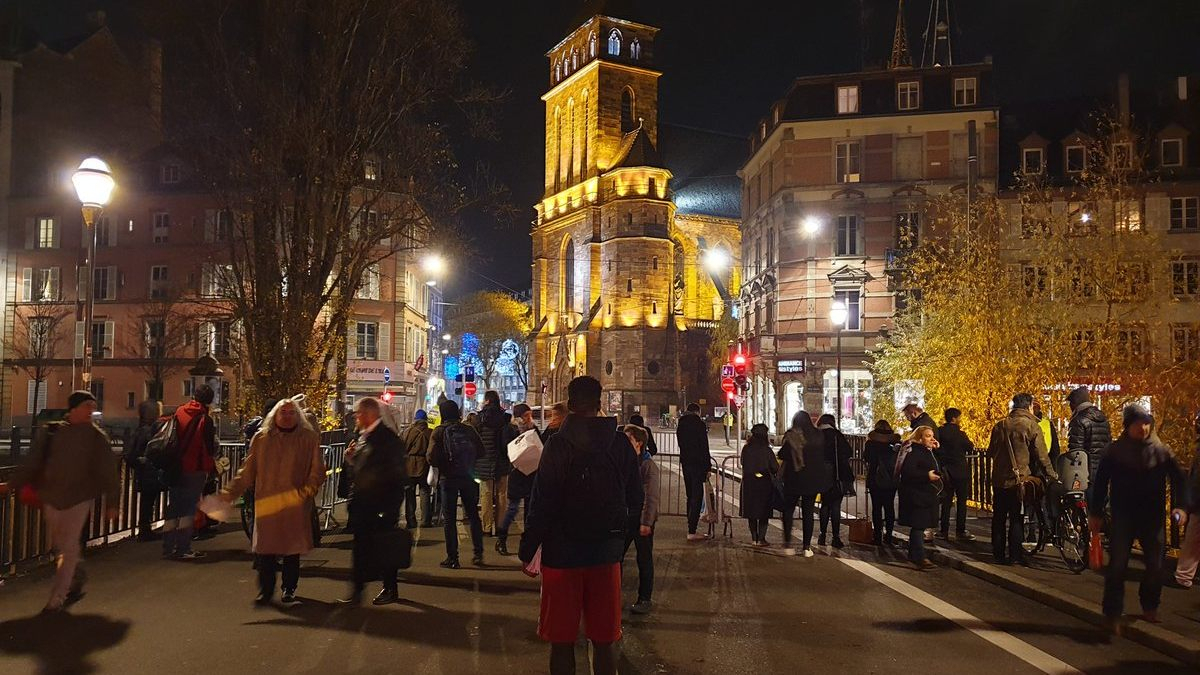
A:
(1133, 475)
(72, 464)
(1088, 430)
(453, 448)
(416, 450)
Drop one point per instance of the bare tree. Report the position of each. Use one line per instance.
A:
(36, 342)
(158, 339)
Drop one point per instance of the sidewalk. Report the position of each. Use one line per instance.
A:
(1051, 583)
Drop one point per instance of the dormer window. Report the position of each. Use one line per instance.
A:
(965, 91)
(1076, 156)
(635, 49)
(847, 100)
(169, 174)
(1170, 152)
(614, 42)
(370, 169)
(908, 95)
(1032, 161)
(1122, 155)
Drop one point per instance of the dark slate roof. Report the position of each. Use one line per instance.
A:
(704, 165)
(637, 150)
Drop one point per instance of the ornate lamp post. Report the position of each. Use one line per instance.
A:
(94, 184)
(837, 316)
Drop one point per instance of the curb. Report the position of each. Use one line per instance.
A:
(1147, 634)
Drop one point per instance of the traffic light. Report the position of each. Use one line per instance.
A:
(386, 397)
(739, 364)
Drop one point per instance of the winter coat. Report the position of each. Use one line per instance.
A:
(918, 496)
(814, 475)
(495, 430)
(837, 459)
(1021, 432)
(74, 463)
(145, 473)
(648, 470)
(878, 445)
(440, 454)
(924, 420)
(416, 449)
(549, 523)
(692, 434)
(201, 439)
(1134, 476)
(759, 468)
(1090, 432)
(379, 480)
(286, 470)
(521, 484)
(952, 455)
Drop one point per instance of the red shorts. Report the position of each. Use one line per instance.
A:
(591, 592)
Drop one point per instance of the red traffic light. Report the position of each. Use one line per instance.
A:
(739, 360)
(387, 397)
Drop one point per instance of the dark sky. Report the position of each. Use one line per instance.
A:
(725, 62)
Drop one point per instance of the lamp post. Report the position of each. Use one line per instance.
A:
(94, 184)
(837, 316)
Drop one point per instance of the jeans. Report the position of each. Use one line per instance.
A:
(956, 491)
(645, 560)
(183, 497)
(1147, 528)
(468, 490)
(411, 488)
(916, 544)
(808, 504)
(883, 512)
(66, 532)
(758, 529)
(1008, 525)
(510, 515)
(831, 509)
(693, 486)
(493, 496)
(268, 565)
(1189, 552)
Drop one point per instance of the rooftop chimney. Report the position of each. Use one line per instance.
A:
(1182, 84)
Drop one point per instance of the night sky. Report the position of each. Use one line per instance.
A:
(725, 62)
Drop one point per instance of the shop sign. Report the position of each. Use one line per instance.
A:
(795, 366)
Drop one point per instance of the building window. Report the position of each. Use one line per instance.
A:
(1184, 214)
(40, 284)
(964, 91)
(847, 236)
(215, 338)
(102, 339)
(103, 232)
(908, 229)
(1131, 345)
(847, 100)
(366, 344)
(371, 170)
(1128, 214)
(1083, 286)
(214, 280)
(47, 232)
(1032, 161)
(628, 110)
(1132, 281)
(592, 44)
(635, 49)
(851, 299)
(770, 246)
(1170, 151)
(162, 227)
(908, 95)
(1185, 343)
(1036, 281)
(369, 290)
(614, 42)
(103, 283)
(169, 174)
(1185, 279)
(1076, 158)
(158, 281)
(654, 262)
(1122, 155)
(156, 337)
(848, 162)
(1080, 219)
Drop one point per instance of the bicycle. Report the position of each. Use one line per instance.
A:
(1072, 535)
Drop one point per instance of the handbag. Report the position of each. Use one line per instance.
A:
(1029, 488)
(431, 479)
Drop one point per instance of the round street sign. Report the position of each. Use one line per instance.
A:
(727, 384)
(469, 389)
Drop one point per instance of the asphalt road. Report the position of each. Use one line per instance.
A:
(720, 607)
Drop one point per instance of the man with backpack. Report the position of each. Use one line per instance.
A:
(954, 446)
(189, 461)
(453, 450)
(588, 483)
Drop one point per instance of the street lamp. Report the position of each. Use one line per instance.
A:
(837, 316)
(433, 264)
(810, 225)
(446, 337)
(716, 260)
(94, 184)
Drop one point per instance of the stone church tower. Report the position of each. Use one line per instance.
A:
(617, 276)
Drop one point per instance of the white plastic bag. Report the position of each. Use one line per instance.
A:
(533, 567)
(216, 508)
(525, 452)
(431, 479)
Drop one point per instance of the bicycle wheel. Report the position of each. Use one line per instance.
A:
(247, 509)
(1073, 539)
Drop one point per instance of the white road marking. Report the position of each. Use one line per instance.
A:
(1018, 648)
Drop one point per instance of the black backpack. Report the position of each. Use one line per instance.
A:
(887, 472)
(461, 451)
(595, 487)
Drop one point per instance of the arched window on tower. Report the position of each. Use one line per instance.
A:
(557, 139)
(614, 42)
(627, 111)
(571, 141)
(574, 59)
(567, 304)
(635, 49)
(592, 44)
(583, 135)
(557, 70)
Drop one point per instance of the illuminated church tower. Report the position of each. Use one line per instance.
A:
(615, 276)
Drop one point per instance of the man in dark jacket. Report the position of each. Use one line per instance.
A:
(696, 462)
(956, 474)
(587, 485)
(519, 484)
(1136, 467)
(374, 508)
(1016, 441)
(917, 417)
(453, 449)
(651, 446)
(197, 446)
(416, 451)
(492, 467)
(1088, 431)
(146, 477)
(1189, 550)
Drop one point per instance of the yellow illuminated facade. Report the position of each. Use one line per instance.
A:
(618, 273)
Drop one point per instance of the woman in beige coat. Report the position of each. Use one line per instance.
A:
(286, 469)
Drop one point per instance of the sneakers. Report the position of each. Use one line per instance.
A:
(965, 536)
(386, 597)
(190, 555)
(838, 543)
(289, 596)
(450, 563)
(808, 553)
(696, 536)
(788, 550)
(943, 535)
(502, 545)
(923, 565)
(640, 607)
(477, 560)
(821, 540)
(262, 599)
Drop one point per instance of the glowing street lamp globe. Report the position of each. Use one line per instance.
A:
(94, 183)
(810, 225)
(433, 264)
(716, 260)
(838, 313)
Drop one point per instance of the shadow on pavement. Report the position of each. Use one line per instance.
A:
(1087, 636)
(1125, 667)
(61, 642)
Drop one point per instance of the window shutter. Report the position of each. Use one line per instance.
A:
(56, 234)
(384, 341)
(1158, 213)
(207, 333)
(111, 291)
(113, 227)
(26, 284)
(32, 406)
(30, 233)
(210, 225)
(79, 339)
(110, 331)
(56, 283)
(352, 340)
(206, 277)
(81, 283)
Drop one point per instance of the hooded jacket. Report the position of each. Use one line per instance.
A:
(494, 426)
(954, 446)
(1137, 473)
(877, 444)
(416, 448)
(805, 472)
(692, 433)
(1021, 432)
(548, 524)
